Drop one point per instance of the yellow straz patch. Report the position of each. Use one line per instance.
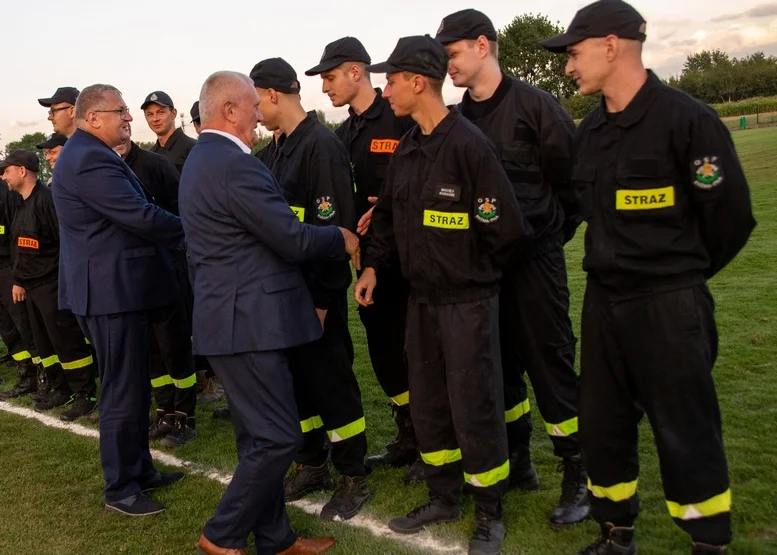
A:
(644, 199)
(299, 212)
(446, 220)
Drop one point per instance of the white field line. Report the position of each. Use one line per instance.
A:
(423, 540)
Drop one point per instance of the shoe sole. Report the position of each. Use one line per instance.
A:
(65, 418)
(113, 509)
(420, 528)
(564, 526)
(348, 515)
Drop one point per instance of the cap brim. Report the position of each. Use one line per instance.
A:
(445, 39)
(384, 67)
(150, 102)
(323, 67)
(559, 44)
(46, 102)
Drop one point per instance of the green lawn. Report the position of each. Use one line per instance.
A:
(52, 483)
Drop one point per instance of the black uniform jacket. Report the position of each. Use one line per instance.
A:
(35, 239)
(662, 190)
(312, 167)
(448, 215)
(158, 176)
(176, 149)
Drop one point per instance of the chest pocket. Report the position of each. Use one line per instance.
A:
(520, 162)
(583, 178)
(445, 206)
(645, 190)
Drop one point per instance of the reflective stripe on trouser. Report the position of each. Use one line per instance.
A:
(537, 341)
(59, 341)
(660, 348)
(328, 396)
(21, 356)
(171, 362)
(384, 326)
(14, 321)
(458, 404)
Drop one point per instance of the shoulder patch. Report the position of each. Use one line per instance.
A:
(325, 208)
(487, 210)
(708, 172)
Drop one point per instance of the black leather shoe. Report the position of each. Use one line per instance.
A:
(349, 498)
(305, 479)
(182, 433)
(163, 425)
(56, 399)
(573, 505)
(613, 540)
(488, 535)
(162, 480)
(80, 404)
(435, 511)
(135, 505)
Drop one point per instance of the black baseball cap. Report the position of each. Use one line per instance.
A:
(23, 158)
(62, 94)
(56, 139)
(195, 111)
(465, 25)
(417, 54)
(158, 97)
(600, 19)
(275, 73)
(346, 49)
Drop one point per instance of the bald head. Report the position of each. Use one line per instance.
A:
(229, 103)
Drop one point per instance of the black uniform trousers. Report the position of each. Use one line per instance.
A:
(60, 343)
(261, 401)
(14, 321)
(384, 325)
(172, 364)
(121, 343)
(458, 402)
(328, 396)
(654, 355)
(537, 339)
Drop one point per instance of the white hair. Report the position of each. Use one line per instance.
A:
(219, 88)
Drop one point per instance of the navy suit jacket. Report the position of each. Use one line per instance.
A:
(245, 245)
(113, 242)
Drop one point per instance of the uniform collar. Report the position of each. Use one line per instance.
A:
(636, 109)
(375, 109)
(290, 142)
(431, 144)
(171, 141)
(132, 155)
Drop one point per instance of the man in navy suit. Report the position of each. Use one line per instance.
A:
(250, 305)
(114, 268)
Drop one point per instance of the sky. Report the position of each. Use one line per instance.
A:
(173, 45)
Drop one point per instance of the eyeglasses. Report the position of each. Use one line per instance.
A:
(55, 110)
(121, 111)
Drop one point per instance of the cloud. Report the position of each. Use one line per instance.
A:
(25, 123)
(764, 10)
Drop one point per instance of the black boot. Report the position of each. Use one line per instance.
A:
(707, 549)
(182, 433)
(164, 424)
(523, 476)
(488, 535)
(613, 540)
(435, 511)
(26, 383)
(401, 451)
(349, 497)
(305, 479)
(44, 385)
(573, 506)
(56, 399)
(415, 474)
(80, 404)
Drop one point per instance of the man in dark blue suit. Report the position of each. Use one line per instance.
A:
(250, 305)
(114, 267)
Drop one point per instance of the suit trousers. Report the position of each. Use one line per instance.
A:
(654, 355)
(172, 364)
(14, 321)
(537, 339)
(121, 343)
(458, 402)
(328, 396)
(261, 400)
(59, 340)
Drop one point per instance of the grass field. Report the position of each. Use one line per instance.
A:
(51, 480)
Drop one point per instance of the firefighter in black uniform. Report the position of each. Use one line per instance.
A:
(312, 167)
(14, 324)
(173, 379)
(59, 341)
(195, 114)
(172, 142)
(447, 213)
(371, 133)
(658, 180)
(533, 134)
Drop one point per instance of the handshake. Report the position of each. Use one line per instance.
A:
(352, 247)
